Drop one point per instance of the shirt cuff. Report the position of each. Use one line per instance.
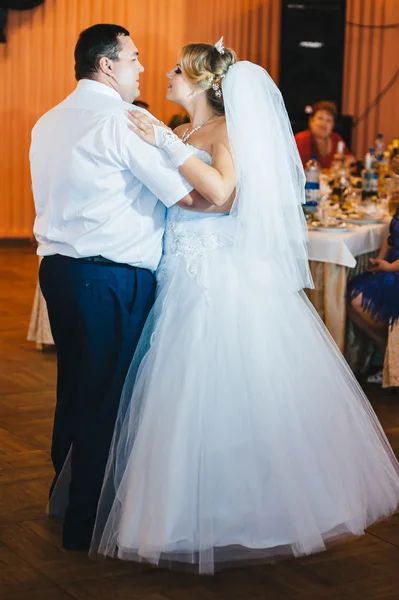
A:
(177, 195)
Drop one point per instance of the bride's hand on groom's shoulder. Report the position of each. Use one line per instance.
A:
(143, 126)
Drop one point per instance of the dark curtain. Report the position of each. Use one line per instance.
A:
(13, 5)
(3, 19)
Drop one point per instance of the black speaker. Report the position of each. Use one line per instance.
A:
(312, 52)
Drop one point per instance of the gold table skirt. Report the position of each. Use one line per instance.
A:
(39, 330)
(329, 299)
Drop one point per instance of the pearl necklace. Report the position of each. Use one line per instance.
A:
(186, 135)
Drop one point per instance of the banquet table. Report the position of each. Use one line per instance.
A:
(334, 259)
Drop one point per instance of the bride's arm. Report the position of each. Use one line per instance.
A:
(197, 203)
(215, 183)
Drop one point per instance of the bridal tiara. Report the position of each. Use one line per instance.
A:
(219, 46)
(216, 85)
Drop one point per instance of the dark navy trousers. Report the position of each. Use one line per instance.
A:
(97, 312)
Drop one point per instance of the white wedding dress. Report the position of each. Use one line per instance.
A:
(242, 432)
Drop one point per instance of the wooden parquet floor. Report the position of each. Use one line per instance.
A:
(33, 565)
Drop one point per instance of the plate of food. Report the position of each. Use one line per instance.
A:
(364, 220)
(332, 227)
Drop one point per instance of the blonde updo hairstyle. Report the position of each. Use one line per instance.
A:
(201, 63)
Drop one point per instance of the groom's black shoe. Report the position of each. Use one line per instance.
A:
(76, 541)
(76, 547)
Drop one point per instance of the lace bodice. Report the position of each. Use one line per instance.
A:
(192, 234)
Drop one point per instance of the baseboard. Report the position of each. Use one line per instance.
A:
(18, 242)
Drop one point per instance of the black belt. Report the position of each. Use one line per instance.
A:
(101, 259)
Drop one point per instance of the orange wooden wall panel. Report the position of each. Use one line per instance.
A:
(250, 27)
(37, 67)
(371, 61)
(37, 72)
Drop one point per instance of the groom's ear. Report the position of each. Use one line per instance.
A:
(105, 65)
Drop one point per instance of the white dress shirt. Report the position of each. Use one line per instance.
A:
(96, 184)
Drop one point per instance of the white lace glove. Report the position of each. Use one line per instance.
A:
(177, 151)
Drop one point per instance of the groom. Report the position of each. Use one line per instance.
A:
(99, 226)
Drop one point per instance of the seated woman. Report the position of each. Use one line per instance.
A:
(374, 295)
(320, 139)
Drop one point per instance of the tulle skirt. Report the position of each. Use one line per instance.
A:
(242, 433)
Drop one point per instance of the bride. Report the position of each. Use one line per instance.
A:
(242, 433)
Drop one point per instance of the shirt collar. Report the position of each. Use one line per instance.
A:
(96, 86)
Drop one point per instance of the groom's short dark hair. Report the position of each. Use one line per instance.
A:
(93, 43)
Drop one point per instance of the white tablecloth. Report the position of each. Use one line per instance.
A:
(342, 248)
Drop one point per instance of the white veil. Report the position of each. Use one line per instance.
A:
(270, 179)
